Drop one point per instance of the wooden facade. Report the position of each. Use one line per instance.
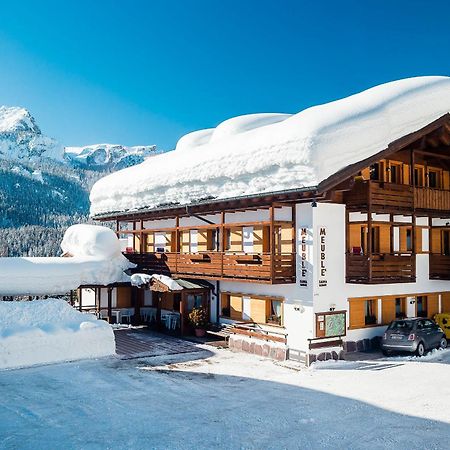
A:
(411, 181)
(259, 251)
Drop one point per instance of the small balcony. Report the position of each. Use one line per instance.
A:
(381, 268)
(439, 267)
(257, 267)
(392, 197)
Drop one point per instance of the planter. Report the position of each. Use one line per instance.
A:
(200, 332)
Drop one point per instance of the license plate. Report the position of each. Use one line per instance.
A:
(396, 336)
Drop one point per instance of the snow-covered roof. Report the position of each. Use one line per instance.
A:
(141, 279)
(260, 153)
(95, 259)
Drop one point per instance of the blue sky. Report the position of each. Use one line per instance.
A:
(144, 72)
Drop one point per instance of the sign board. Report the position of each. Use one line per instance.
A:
(305, 248)
(322, 257)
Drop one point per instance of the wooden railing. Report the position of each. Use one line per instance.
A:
(278, 268)
(254, 330)
(380, 268)
(380, 195)
(436, 199)
(391, 196)
(439, 267)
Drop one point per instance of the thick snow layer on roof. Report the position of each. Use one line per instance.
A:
(48, 331)
(95, 260)
(265, 153)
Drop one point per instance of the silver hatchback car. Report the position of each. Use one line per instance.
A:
(415, 335)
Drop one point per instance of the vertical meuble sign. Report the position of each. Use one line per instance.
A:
(322, 275)
(305, 263)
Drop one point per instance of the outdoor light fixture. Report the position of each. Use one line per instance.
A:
(314, 204)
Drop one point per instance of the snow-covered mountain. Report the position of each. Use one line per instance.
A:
(44, 189)
(108, 156)
(22, 139)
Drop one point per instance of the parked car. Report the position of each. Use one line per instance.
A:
(415, 335)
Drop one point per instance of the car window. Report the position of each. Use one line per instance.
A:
(428, 324)
(420, 325)
(401, 325)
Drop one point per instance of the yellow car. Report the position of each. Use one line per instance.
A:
(443, 320)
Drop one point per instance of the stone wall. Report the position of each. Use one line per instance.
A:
(257, 347)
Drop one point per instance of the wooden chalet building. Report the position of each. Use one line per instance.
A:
(305, 268)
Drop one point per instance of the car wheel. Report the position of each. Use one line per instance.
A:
(443, 343)
(420, 351)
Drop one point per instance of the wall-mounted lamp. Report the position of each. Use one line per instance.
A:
(314, 204)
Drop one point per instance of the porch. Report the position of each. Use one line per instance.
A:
(161, 304)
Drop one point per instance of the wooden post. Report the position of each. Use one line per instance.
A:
(177, 242)
(80, 297)
(182, 308)
(369, 231)
(222, 241)
(109, 304)
(141, 238)
(272, 243)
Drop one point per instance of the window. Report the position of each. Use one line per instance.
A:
(160, 241)
(446, 242)
(275, 308)
(193, 241)
(225, 310)
(419, 176)
(375, 239)
(421, 306)
(212, 236)
(395, 173)
(400, 310)
(370, 316)
(363, 312)
(251, 308)
(247, 239)
(194, 301)
(375, 172)
(409, 246)
(434, 179)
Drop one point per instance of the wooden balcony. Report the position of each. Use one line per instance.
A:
(381, 268)
(380, 196)
(256, 267)
(439, 267)
(434, 199)
(391, 197)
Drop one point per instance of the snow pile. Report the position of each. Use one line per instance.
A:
(275, 152)
(49, 331)
(140, 279)
(102, 156)
(95, 259)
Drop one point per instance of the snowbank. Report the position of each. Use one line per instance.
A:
(95, 260)
(49, 331)
(274, 152)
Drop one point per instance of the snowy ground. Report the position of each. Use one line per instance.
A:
(220, 399)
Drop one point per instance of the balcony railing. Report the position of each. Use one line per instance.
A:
(439, 267)
(436, 199)
(259, 267)
(383, 196)
(381, 268)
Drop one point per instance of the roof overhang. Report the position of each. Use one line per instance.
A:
(215, 205)
(393, 147)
